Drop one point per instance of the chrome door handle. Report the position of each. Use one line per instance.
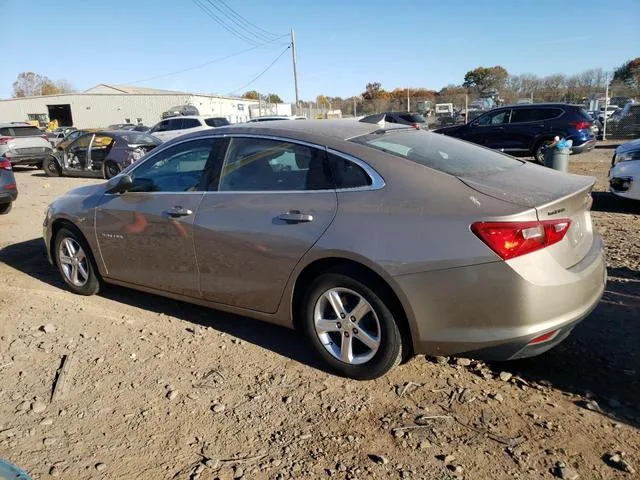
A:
(179, 211)
(296, 216)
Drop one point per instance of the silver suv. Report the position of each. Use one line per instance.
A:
(23, 144)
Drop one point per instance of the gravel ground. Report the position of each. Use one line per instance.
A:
(153, 388)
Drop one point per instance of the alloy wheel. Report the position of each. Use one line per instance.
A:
(74, 262)
(347, 325)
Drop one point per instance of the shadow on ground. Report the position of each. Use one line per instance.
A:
(30, 258)
(601, 358)
(607, 202)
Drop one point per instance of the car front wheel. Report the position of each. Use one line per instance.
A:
(351, 327)
(75, 262)
(540, 149)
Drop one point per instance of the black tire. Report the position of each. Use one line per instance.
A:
(92, 284)
(110, 170)
(5, 208)
(538, 151)
(389, 351)
(51, 168)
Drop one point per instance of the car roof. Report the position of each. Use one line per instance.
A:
(535, 105)
(16, 124)
(335, 129)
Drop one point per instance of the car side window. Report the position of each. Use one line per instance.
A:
(256, 164)
(179, 168)
(190, 123)
(163, 126)
(175, 124)
(497, 118)
(347, 174)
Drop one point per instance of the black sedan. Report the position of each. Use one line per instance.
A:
(100, 154)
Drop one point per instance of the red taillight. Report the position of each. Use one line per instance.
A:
(10, 186)
(416, 126)
(512, 239)
(46, 137)
(545, 337)
(5, 164)
(5, 140)
(581, 125)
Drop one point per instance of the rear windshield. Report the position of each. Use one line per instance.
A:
(413, 118)
(439, 152)
(20, 132)
(136, 138)
(216, 122)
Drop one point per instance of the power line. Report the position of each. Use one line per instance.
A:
(229, 28)
(238, 22)
(209, 62)
(264, 71)
(243, 19)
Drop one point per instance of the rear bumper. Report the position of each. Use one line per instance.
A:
(8, 196)
(29, 159)
(490, 311)
(584, 147)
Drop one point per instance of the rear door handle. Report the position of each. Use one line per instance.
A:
(179, 211)
(296, 216)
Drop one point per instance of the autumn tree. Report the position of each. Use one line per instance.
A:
(482, 78)
(374, 91)
(251, 95)
(629, 73)
(29, 84)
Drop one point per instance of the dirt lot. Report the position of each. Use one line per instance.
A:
(153, 388)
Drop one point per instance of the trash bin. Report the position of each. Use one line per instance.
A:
(557, 158)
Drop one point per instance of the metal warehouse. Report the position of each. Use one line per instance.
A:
(105, 104)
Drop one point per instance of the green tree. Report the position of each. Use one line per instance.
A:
(273, 98)
(251, 95)
(483, 78)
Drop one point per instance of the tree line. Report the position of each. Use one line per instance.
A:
(509, 87)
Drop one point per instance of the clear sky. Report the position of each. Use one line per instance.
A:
(341, 44)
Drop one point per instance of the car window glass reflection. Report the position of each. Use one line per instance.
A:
(177, 169)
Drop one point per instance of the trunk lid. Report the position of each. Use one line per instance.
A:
(554, 195)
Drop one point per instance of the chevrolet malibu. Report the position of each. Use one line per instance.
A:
(376, 241)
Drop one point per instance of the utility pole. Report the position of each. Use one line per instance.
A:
(354, 107)
(259, 105)
(466, 108)
(606, 104)
(408, 102)
(295, 66)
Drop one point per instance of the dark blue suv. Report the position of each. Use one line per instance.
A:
(526, 130)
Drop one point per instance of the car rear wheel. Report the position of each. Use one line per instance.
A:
(540, 149)
(75, 262)
(351, 327)
(5, 208)
(110, 170)
(51, 168)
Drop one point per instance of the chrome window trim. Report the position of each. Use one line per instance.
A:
(377, 182)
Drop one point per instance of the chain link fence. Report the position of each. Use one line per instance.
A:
(614, 108)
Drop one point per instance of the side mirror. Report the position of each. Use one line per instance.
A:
(119, 184)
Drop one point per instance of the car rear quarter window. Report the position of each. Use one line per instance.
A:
(347, 174)
(439, 152)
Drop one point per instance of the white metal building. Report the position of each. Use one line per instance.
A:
(104, 105)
